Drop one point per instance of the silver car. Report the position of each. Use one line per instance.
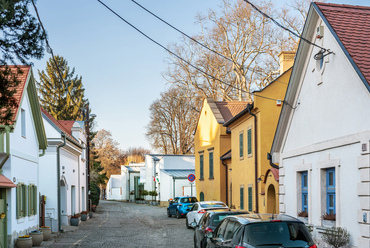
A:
(199, 208)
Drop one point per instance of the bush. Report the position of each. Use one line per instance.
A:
(336, 236)
(94, 193)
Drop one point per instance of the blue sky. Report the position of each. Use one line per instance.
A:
(121, 70)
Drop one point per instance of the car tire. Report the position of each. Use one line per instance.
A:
(195, 242)
(178, 216)
(187, 224)
(169, 213)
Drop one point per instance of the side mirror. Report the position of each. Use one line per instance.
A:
(209, 235)
(193, 224)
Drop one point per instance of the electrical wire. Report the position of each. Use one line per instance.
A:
(185, 61)
(50, 50)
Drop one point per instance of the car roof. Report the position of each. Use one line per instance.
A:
(180, 197)
(217, 211)
(249, 218)
(209, 202)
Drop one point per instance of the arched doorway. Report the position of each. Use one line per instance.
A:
(271, 200)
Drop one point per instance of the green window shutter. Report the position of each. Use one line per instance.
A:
(249, 141)
(30, 200)
(201, 167)
(19, 201)
(24, 200)
(250, 199)
(211, 165)
(241, 198)
(35, 200)
(241, 145)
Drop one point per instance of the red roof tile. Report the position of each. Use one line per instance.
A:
(6, 183)
(20, 88)
(275, 173)
(229, 109)
(65, 126)
(352, 26)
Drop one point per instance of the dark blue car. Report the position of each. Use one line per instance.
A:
(180, 206)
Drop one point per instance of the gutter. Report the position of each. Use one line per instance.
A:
(58, 179)
(7, 132)
(249, 108)
(269, 158)
(227, 184)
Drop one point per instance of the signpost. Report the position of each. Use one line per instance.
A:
(191, 179)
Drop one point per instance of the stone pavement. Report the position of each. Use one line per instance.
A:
(121, 224)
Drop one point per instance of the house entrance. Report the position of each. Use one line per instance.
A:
(138, 187)
(271, 200)
(3, 218)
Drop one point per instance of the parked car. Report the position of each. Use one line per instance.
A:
(208, 223)
(200, 208)
(260, 230)
(180, 206)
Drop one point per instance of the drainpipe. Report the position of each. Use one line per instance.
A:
(227, 184)
(269, 158)
(249, 108)
(58, 181)
(43, 153)
(129, 186)
(173, 178)
(7, 133)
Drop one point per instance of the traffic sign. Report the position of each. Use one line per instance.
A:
(191, 177)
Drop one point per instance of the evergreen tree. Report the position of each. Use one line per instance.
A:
(21, 38)
(64, 100)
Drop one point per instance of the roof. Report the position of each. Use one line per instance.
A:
(20, 87)
(133, 168)
(178, 173)
(224, 111)
(352, 26)
(6, 183)
(275, 173)
(227, 155)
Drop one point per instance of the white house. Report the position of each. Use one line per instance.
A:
(63, 171)
(168, 175)
(20, 143)
(322, 139)
(126, 186)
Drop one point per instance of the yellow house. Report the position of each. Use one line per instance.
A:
(252, 181)
(212, 140)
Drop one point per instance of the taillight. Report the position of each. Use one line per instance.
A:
(238, 246)
(275, 220)
(180, 204)
(208, 230)
(201, 211)
(314, 246)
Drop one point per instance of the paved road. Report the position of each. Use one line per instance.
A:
(120, 224)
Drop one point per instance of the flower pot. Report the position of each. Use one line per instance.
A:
(75, 221)
(47, 232)
(24, 242)
(84, 217)
(37, 238)
(90, 215)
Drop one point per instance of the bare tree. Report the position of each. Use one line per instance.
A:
(107, 152)
(249, 43)
(173, 119)
(134, 155)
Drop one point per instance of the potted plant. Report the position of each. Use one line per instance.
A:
(328, 220)
(131, 193)
(90, 214)
(303, 216)
(75, 219)
(144, 193)
(24, 241)
(47, 232)
(336, 236)
(154, 194)
(37, 237)
(84, 215)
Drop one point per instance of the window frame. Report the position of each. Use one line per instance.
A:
(211, 164)
(330, 191)
(201, 166)
(304, 190)
(241, 195)
(249, 142)
(241, 145)
(21, 195)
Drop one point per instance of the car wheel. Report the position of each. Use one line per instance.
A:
(169, 213)
(187, 224)
(178, 216)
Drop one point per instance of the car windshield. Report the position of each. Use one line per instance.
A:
(213, 205)
(188, 200)
(281, 234)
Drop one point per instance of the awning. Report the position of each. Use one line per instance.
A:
(6, 183)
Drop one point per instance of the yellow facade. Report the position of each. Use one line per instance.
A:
(210, 138)
(243, 175)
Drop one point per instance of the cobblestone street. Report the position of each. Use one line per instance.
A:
(121, 224)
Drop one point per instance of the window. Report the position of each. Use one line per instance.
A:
(21, 200)
(250, 141)
(304, 180)
(23, 123)
(201, 196)
(250, 198)
(211, 165)
(201, 176)
(330, 191)
(241, 197)
(32, 199)
(241, 154)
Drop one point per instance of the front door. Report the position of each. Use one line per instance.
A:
(3, 218)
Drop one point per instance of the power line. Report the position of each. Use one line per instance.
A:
(177, 56)
(50, 50)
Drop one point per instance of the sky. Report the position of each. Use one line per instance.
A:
(121, 69)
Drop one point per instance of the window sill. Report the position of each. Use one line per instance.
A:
(201, 179)
(211, 178)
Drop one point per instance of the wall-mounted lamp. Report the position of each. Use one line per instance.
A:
(260, 178)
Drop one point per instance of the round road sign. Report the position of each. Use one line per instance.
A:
(191, 177)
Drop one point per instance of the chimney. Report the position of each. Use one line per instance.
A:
(286, 60)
